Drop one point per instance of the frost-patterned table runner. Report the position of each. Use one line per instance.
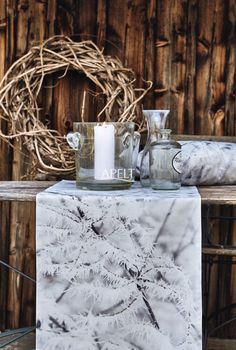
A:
(118, 270)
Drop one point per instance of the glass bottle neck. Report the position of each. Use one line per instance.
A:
(165, 134)
(156, 120)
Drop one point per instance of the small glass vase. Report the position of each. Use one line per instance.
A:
(156, 120)
(165, 162)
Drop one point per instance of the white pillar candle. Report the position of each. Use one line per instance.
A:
(104, 151)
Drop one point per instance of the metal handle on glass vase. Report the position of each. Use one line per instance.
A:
(136, 145)
(126, 139)
(136, 141)
(75, 140)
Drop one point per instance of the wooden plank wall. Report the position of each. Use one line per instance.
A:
(186, 47)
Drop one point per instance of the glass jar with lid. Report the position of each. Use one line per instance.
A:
(165, 164)
(156, 120)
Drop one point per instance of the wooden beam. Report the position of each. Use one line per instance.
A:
(25, 343)
(218, 194)
(205, 138)
(221, 344)
(22, 191)
(184, 137)
(26, 191)
(219, 251)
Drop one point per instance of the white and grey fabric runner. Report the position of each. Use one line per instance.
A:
(118, 270)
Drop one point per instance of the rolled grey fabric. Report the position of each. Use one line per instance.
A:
(206, 163)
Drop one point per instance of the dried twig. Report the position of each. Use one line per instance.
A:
(22, 83)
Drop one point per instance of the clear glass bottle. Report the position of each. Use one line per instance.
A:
(165, 164)
(156, 120)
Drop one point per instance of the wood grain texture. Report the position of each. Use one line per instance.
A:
(190, 82)
(221, 344)
(186, 47)
(163, 56)
(22, 191)
(219, 251)
(204, 63)
(232, 278)
(28, 343)
(25, 343)
(4, 239)
(150, 51)
(5, 154)
(218, 194)
(230, 93)
(135, 37)
(178, 63)
(5, 166)
(21, 256)
(26, 191)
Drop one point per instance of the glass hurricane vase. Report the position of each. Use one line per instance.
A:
(104, 154)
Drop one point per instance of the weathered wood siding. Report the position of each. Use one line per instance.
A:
(187, 48)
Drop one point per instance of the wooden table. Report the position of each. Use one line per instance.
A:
(22, 191)
(26, 191)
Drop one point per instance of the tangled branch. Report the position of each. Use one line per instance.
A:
(23, 81)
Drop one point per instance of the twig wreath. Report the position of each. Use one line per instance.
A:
(23, 81)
